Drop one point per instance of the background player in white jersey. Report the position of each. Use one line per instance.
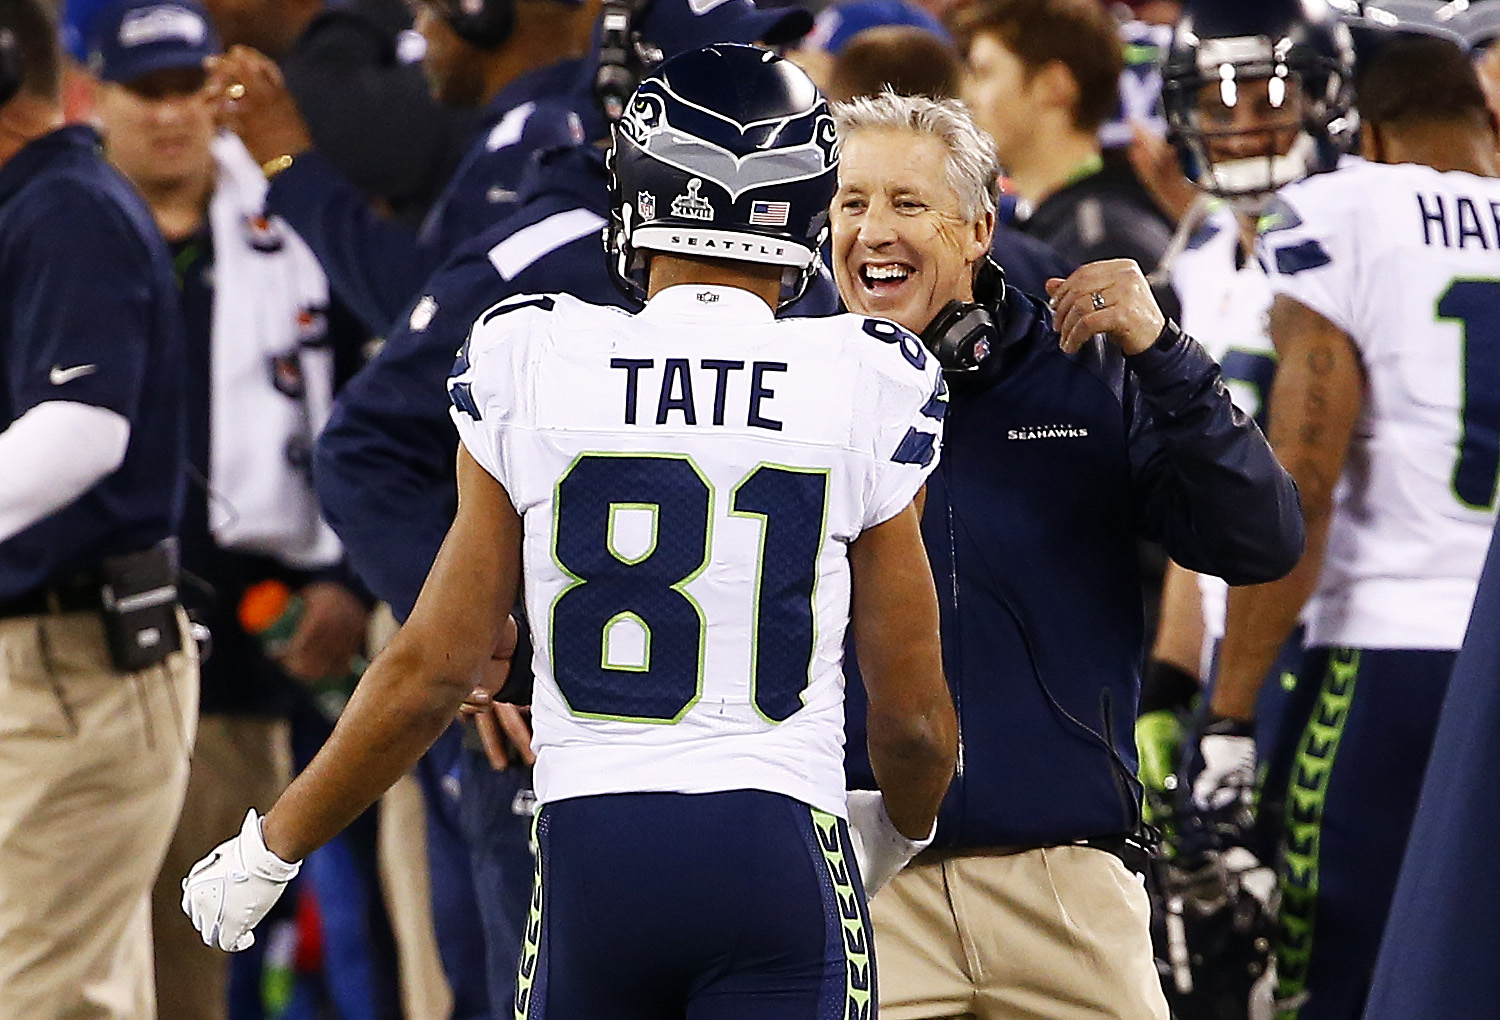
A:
(1258, 96)
(703, 498)
(1387, 324)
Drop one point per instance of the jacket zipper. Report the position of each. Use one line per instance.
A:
(958, 769)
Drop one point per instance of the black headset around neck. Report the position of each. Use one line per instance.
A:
(624, 56)
(963, 333)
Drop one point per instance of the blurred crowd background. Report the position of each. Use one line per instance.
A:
(365, 143)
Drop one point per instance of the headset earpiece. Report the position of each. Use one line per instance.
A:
(960, 336)
(624, 58)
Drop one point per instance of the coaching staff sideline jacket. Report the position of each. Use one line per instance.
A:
(1053, 466)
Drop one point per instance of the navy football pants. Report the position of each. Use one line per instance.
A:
(1354, 778)
(721, 906)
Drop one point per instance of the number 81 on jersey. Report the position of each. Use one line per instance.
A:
(645, 589)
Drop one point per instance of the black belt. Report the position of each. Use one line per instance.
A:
(1132, 852)
(76, 595)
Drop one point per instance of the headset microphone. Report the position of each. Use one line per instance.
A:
(624, 57)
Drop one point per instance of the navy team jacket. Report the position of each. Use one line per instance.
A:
(377, 266)
(1053, 466)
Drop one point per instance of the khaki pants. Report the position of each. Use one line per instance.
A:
(1061, 933)
(238, 762)
(93, 765)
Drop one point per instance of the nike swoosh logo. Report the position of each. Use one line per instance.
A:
(60, 375)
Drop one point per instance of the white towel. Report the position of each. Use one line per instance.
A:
(272, 374)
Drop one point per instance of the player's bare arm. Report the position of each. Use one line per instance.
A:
(1314, 404)
(913, 732)
(413, 689)
(1179, 635)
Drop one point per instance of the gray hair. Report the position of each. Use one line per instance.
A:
(973, 172)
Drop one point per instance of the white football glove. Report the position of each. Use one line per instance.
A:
(229, 891)
(1228, 771)
(879, 849)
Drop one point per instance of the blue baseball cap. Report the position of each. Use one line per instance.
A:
(132, 38)
(677, 26)
(837, 25)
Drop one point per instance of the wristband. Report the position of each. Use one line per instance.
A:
(1215, 725)
(1166, 686)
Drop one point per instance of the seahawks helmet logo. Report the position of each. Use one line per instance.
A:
(645, 116)
(774, 156)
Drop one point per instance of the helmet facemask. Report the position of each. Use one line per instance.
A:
(1254, 115)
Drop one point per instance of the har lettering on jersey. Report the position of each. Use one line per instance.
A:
(1456, 221)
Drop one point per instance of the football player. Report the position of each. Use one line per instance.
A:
(1386, 276)
(1258, 96)
(703, 499)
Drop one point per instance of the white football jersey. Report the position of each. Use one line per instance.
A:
(689, 480)
(1226, 308)
(1405, 260)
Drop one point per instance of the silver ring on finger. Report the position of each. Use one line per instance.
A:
(1098, 299)
(236, 90)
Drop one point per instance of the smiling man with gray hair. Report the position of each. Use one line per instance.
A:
(1064, 444)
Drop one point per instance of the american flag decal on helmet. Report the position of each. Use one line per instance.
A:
(769, 214)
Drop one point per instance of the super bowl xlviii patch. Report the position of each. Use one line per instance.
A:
(263, 235)
(645, 204)
(691, 205)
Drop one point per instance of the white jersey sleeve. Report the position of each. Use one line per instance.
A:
(490, 374)
(910, 402)
(1310, 248)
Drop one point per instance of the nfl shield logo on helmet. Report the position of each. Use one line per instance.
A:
(645, 204)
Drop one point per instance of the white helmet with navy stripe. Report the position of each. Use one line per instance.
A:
(725, 152)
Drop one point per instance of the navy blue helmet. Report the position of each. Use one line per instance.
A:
(1479, 24)
(1376, 22)
(1298, 58)
(724, 152)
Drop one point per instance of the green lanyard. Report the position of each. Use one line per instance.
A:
(1088, 167)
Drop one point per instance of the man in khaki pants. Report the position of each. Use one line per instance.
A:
(98, 676)
(1066, 436)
